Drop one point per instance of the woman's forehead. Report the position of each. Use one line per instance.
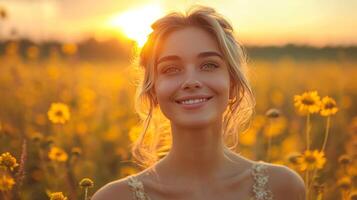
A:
(188, 42)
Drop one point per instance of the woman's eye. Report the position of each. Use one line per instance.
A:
(170, 70)
(209, 66)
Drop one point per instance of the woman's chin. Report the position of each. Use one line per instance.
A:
(188, 123)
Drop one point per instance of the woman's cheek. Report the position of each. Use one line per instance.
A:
(165, 89)
(218, 82)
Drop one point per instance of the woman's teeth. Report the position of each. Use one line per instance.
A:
(193, 101)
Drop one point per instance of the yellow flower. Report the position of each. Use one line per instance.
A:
(76, 151)
(57, 196)
(8, 161)
(275, 127)
(308, 102)
(293, 158)
(57, 154)
(328, 106)
(86, 183)
(6, 183)
(310, 160)
(36, 137)
(272, 113)
(58, 113)
(344, 183)
(344, 159)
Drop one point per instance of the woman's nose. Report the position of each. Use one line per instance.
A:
(191, 81)
(190, 84)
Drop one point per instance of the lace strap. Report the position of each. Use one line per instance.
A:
(138, 188)
(260, 187)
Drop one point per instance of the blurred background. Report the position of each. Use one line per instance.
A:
(67, 86)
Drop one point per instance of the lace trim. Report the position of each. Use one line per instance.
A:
(138, 188)
(260, 187)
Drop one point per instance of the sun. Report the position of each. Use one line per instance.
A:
(136, 23)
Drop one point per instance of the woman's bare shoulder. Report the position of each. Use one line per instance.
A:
(285, 183)
(115, 190)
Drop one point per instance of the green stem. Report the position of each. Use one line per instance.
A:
(344, 195)
(345, 169)
(312, 180)
(326, 133)
(307, 184)
(70, 177)
(269, 148)
(269, 140)
(45, 167)
(320, 196)
(308, 131)
(56, 173)
(85, 193)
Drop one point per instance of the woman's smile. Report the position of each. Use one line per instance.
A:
(193, 102)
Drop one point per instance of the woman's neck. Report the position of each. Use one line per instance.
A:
(197, 153)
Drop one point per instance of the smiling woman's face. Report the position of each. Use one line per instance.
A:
(192, 85)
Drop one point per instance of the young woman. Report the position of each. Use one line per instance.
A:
(193, 73)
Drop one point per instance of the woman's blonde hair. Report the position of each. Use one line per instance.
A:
(149, 146)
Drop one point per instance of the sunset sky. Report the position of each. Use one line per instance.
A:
(257, 22)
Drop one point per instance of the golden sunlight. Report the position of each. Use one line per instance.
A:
(136, 23)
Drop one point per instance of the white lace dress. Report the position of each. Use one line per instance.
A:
(260, 190)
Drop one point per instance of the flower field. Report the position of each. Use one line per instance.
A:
(66, 123)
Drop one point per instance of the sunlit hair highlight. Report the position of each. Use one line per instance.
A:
(241, 104)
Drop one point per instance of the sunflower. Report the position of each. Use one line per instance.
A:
(308, 102)
(8, 161)
(344, 183)
(328, 106)
(275, 127)
(273, 113)
(57, 154)
(6, 183)
(57, 196)
(86, 183)
(58, 113)
(293, 158)
(76, 151)
(311, 160)
(344, 159)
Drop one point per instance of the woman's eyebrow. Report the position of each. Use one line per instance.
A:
(168, 58)
(209, 53)
(200, 55)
